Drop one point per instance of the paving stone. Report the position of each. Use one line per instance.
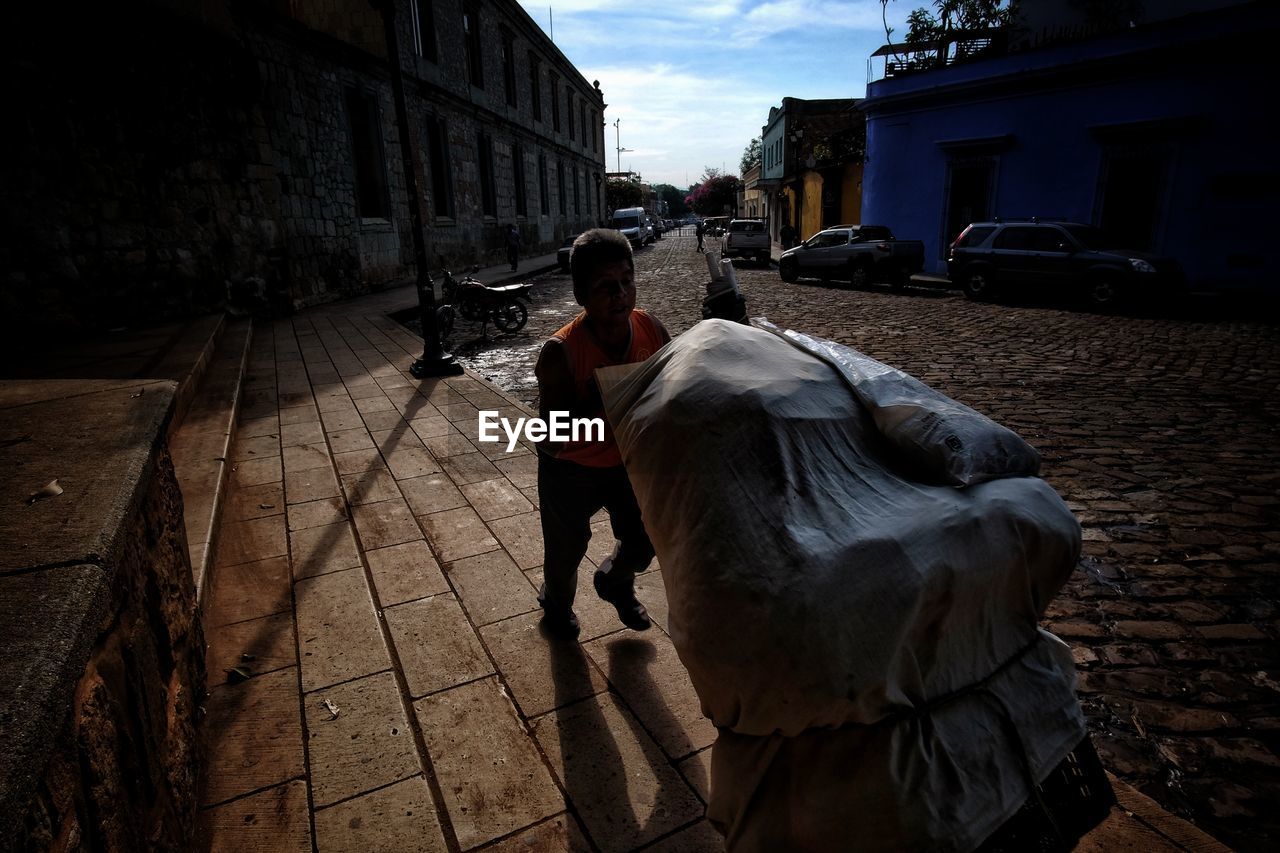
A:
(623, 786)
(378, 421)
(310, 432)
(449, 444)
(495, 498)
(405, 572)
(1237, 633)
(431, 426)
(492, 778)
(432, 493)
(372, 485)
(696, 770)
(520, 470)
(251, 540)
(646, 671)
(385, 523)
(302, 457)
(390, 440)
(560, 834)
(437, 647)
(248, 591)
(400, 817)
(521, 535)
(347, 440)
(338, 631)
(491, 587)
(299, 415)
(378, 403)
(702, 837)
(409, 462)
(1149, 630)
(543, 673)
(257, 646)
(320, 550)
(255, 472)
(246, 502)
(252, 735)
(310, 485)
(254, 447)
(595, 616)
(467, 468)
(457, 533)
(317, 513)
(367, 745)
(269, 425)
(336, 420)
(355, 461)
(653, 595)
(276, 820)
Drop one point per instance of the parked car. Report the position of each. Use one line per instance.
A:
(562, 254)
(747, 238)
(859, 254)
(658, 228)
(990, 257)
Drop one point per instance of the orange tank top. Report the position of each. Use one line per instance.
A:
(585, 355)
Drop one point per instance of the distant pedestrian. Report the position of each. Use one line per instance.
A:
(699, 230)
(788, 236)
(513, 246)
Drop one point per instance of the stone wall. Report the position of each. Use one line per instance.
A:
(104, 673)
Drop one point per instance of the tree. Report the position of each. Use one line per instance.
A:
(674, 199)
(925, 27)
(716, 195)
(622, 193)
(751, 156)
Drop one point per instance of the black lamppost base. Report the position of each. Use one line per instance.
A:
(445, 365)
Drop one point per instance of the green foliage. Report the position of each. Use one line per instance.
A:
(751, 156)
(674, 199)
(622, 193)
(924, 25)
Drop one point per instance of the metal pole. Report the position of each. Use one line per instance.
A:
(434, 361)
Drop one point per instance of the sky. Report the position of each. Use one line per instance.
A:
(692, 82)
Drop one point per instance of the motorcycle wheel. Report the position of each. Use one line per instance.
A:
(444, 321)
(510, 317)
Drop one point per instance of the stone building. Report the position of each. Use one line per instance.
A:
(172, 156)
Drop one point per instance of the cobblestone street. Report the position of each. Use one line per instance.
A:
(1161, 433)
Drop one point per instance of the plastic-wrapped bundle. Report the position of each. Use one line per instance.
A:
(813, 585)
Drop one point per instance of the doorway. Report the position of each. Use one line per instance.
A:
(969, 190)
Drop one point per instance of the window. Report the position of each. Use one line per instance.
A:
(1049, 239)
(535, 77)
(517, 176)
(1016, 238)
(544, 197)
(560, 187)
(555, 103)
(1132, 192)
(441, 180)
(582, 114)
(577, 199)
(974, 236)
(372, 199)
(471, 34)
(595, 134)
(423, 17)
(509, 68)
(825, 239)
(488, 197)
(568, 109)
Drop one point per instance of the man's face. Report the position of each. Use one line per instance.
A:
(611, 295)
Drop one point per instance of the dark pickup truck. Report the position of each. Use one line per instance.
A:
(859, 254)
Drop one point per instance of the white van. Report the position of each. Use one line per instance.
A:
(633, 222)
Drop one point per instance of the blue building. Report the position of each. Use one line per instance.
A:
(1151, 130)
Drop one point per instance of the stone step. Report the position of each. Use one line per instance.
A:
(201, 445)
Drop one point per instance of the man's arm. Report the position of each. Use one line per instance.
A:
(557, 391)
(662, 330)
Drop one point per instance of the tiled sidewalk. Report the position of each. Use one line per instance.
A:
(375, 577)
(374, 562)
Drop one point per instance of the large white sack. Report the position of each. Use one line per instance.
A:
(810, 584)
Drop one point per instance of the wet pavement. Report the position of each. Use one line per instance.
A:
(1159, 431)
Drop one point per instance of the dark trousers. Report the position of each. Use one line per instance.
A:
(568, 495)
(513, 256)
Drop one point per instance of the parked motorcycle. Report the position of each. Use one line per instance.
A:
(471, 299)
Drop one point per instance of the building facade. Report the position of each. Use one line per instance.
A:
(1146, 127)
(811, 164)
(174, 156)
